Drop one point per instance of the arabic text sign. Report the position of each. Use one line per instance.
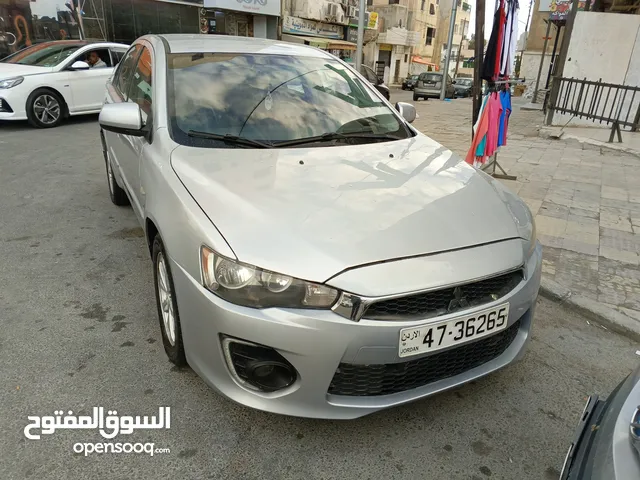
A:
(109, 426)
(301, 26)
(264, 7)
(558, 9)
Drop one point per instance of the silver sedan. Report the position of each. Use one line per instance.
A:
(313, 253)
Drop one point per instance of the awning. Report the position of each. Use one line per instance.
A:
(424, 61)
(341, 45)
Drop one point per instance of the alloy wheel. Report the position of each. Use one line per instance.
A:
(46, 109)
(165, 295)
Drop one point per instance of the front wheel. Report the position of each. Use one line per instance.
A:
(167, 306)
(45, 109)
(415, 97)
(117, 194)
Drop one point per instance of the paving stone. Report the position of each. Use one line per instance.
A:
(615, 221)
(620, 255)
(554, 227)
(550, 209)
(580, 247)
(550, 241)
(615, 193)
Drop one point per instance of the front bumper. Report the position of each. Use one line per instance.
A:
(16, 99)
(316, 342)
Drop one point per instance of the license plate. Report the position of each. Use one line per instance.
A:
(436, 336)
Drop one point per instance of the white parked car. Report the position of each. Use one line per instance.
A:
(49, 81)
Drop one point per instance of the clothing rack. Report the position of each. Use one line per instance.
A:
(493, 162)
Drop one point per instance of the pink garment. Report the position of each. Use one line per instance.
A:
(494, 109)
(481, 131)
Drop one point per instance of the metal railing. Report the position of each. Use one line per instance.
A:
(607, 103)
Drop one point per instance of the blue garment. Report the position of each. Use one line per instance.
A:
(505, 100)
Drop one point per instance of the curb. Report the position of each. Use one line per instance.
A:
(607, 317)
(550, 133)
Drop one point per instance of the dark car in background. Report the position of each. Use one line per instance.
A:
(462, 87)
(429, 85)
(606, 445)
(410, 82)
(376, 81)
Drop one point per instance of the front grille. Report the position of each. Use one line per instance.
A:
(4, 106)
(448, 300)
(372, 380)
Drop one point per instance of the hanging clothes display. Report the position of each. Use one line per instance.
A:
(490, 130)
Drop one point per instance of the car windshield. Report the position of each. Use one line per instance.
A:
(463, 81)
(413, 77)
(431, 77)
(271, 99)
(43, 56)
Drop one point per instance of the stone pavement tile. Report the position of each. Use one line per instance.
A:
(615, 193)
(534, 190)
(578, 271)
(623, 256)
(619, 204)
(634, 197)
(587, 189)
(590, 205)
(550, 241)
(558, 198)
(579, 215)
(534, 205)
(580, 247)
(563, 185)
(615, 221)
(608, 160)
(550, 257)
(620, 240)
(579, 228)
(553, 227)
(549, 209)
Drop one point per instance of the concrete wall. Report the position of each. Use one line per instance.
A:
(603, 46)
(529, 69)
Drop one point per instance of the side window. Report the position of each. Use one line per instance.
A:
(98, 58)
(116, 56)
(141, 89)
(122, 77)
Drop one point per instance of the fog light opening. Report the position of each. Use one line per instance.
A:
(258, 367)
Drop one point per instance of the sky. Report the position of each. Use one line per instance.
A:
(489, 9)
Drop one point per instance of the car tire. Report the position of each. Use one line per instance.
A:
(415, 97)
(167, 306)
(403, 87)
(116, 193)
(45, 108)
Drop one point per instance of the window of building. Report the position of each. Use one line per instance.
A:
(394, 2)
(369, 2)
(423, 3)
(431, 33)
(455, 29)
(432, 9)
(406, 58)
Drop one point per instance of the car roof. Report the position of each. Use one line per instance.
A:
(193, 43)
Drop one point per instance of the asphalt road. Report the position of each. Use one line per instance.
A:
(78, 329)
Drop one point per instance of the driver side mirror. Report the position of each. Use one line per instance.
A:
(124, 118)
(80, 65)
(407, 111)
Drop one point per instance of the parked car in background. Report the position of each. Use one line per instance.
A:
(462, 87)
(429, 85)
(409, 82)
(606, 445)
(49, 81)
(376, 81)
(288, 274)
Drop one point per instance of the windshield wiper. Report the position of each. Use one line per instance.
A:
(228, 138)
(327, 137)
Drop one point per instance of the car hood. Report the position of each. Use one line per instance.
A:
(314, 212)
(8, 70)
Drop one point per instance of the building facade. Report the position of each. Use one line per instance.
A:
(460, 32)
(423, 18)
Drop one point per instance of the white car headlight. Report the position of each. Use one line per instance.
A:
(11, 82)
(253, 287)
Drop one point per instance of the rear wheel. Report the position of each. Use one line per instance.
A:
(415, 97)
(45, 109)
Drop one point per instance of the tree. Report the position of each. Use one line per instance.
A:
(472, 42)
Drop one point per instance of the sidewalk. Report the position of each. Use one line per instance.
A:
(586, 201)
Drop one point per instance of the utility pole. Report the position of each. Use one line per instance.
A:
(544, 51)
(361, 20)
(477, 63)
(455, 74)
(562, 57)
(452, 25)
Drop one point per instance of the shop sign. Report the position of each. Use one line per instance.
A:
(302, 26)
(351, 34)
(256, 7)
(372, 22)
(559, 9)
(385, 47)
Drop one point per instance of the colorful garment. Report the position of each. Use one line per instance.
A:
(494, 109)
(505, 100)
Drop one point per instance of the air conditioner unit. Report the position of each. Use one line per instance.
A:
(351, 12)
(344, 2)
(332, 9)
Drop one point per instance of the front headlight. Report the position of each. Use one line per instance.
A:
(11, 82)
(253, 287)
